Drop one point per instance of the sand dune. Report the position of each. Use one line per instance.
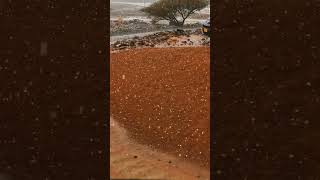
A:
(161, 97)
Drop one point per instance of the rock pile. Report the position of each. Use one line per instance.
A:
(138, 26)
(165, 38)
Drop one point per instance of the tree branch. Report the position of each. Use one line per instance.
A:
(181, 13)
(190, 12)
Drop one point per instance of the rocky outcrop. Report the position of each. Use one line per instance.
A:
(178, 37)
(138, 26)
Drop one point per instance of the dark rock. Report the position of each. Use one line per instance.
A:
(179, 32)
(132, 43)
(122, 45)
(141, 43)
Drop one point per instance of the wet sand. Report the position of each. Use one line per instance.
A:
(129, 159)
(161, 97)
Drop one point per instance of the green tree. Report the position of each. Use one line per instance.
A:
(175, 11)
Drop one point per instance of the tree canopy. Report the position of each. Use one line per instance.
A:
(175, 11)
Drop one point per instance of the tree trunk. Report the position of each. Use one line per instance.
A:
(183, 21)
(176, 23)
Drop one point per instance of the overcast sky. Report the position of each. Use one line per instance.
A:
(137, 1)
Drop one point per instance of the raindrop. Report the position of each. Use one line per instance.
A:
(308, 84)
(81, 109)
(43, 48)
(53, 115)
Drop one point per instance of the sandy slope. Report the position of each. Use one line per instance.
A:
(129, 159)
(161, 97)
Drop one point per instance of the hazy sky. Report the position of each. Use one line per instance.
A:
(137, 1)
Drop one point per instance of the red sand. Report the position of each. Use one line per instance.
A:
(161, 96)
